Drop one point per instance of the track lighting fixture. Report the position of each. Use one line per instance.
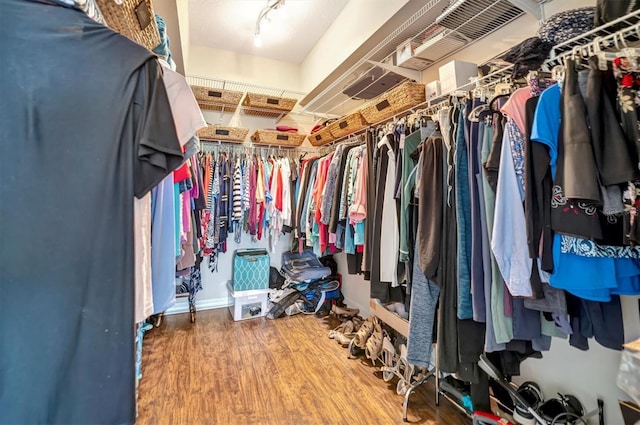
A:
(274, 6)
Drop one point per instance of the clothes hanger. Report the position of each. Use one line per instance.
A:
(492, 104)
(503, 88)
(384, 140)
(474, 115)
(558, 73)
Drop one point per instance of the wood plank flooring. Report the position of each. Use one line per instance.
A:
(271, 372)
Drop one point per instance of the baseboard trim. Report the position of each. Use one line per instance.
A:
(182, 305)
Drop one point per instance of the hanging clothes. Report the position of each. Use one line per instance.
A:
(79, 289)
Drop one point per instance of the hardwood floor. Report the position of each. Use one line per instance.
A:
(270, 372)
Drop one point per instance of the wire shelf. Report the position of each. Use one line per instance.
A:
(215, 83)
(628, 22)
(443, 27)
(605, 37)
(215, 146)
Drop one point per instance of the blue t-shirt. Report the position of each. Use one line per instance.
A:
(546, 123)
(165, 243)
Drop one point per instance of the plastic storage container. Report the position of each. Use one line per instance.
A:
(248, 304)
(456, 74)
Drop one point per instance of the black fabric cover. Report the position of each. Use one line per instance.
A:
(527, 56)
(85, 125)
(276, 280)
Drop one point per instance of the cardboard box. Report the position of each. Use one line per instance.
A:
(456, 74)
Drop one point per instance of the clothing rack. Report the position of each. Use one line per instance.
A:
(600, 40)
(217, 146)
(600, 46)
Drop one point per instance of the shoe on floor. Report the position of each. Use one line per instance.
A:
(345, 327)
(561, 409)
(373, 346)
(364, 333)
(344, 338)
(344, 311)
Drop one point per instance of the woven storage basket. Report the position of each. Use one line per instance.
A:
(267, 105)
(347, 125)
(216, 99)
(218, 132)
(321, 137)
(134, 19)
(403, 97)
(277, 138)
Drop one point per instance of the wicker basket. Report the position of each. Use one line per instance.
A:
(347, 125)
(277, 138)
(218, 132)
(216, 99)
(134, 19)
(267, 106)
(321, 137)
(394, 101)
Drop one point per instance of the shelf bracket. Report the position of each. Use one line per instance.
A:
(532, 7)
(407, 73)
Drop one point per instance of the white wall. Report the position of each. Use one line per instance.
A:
(182, 7)
(588, 375)
(355, 24)
(355, 289)
(223, 64)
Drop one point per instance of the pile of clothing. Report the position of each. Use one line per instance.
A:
(306, 285)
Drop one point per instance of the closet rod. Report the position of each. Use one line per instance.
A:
(212, 145)
(413, 110)
(603, 30)
(597, 47)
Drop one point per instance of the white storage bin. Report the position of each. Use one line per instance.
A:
(433, 90)
(456, 74)
(248, 304)
(405, 56)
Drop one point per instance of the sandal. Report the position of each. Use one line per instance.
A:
(364, 333)
(345, 327)
(345, 338)
(374, 343)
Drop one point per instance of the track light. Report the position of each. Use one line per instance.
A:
(263, 19)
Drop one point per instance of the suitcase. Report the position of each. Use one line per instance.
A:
(250, 269)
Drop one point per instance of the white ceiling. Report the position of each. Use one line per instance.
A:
(230, 25)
